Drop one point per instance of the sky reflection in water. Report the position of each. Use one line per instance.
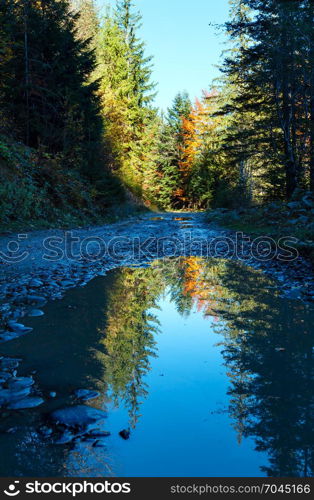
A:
(209, 368)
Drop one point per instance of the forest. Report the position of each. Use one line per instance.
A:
(191, 347)
(80, 133)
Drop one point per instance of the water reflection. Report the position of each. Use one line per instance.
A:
(122, 331)
(267, 347)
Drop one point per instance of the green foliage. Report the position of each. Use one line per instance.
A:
(271, 105)
(126, 92)
(49, 102)
(35, 188)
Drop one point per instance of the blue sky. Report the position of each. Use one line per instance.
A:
(184, 46)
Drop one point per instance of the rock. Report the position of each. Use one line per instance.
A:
(7, 336)
(32, 300)
(19, 328)
(20, 383)
(35, 313)
(8, 396)
(65, 438)
(22, 404)
(77, 416)
(9, 363)
(35, 283)
(125, 434)
(86, 395)
(12, 430)
(4, 376)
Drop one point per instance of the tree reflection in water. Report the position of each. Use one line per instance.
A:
(267, 344)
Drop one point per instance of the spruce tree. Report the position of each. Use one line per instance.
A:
(271, 77)
(126, 93)
(49, 100)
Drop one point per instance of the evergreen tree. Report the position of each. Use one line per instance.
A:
(271, 76)
(47, 96)
(126, 93)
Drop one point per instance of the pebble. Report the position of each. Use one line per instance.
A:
(7, 336)
(9, 396)
(86, 395)
(34, 313)
(9, 363)
(31, 402)
(35, 283)
(19, 328)
(125, 434)
(20, 383)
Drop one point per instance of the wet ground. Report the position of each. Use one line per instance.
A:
(203, 366)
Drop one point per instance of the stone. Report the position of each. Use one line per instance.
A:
(22, 404)
(19, 383)
(293, 294)
(77, 416)
(35, 283)
(125, 434)
(9, 363)
(7, 336)
(66, 283)
(308, 201)
(32, 300)
(86, 395)
(18, 327)
(35, 313)
(8, 396)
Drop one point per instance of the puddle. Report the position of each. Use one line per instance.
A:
(209, 369)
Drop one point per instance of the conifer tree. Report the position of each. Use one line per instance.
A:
(48, 98)
(124, 74)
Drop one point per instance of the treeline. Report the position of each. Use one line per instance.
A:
(74, 107)
(251, 138)
(79, 128)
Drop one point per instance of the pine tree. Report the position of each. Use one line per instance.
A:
(270, 74)
(48, 98)
(126, 92)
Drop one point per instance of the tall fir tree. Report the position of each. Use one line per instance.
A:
(47, 96)
(126, 92)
